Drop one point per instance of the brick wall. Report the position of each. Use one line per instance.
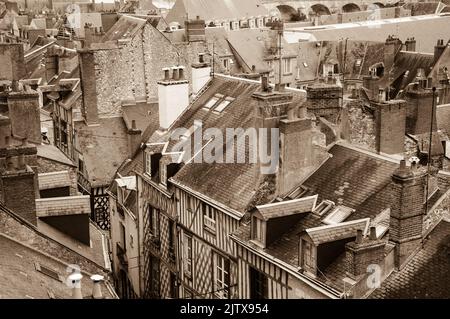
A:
(325, 101)
(19, 194)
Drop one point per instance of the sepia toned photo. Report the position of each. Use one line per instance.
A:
(246, 150)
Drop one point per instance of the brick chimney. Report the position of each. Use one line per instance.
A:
(24, 113)
(407, 210)
(410, 45)
(173, 95)
(201, 74)
(89, 108)
(419, 99)
(363, 252)
(325, 100)
(438, 50)
(390, 119)
(18, 180)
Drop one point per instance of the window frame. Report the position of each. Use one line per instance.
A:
(188, 266)
(221, 276)
(209, 218)
(148, 163)
(287, 66)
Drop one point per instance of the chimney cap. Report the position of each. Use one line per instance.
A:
(76, 276)
(97, 278)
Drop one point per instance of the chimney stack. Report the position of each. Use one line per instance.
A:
(97, 286)
(201, 74)
(438, 50)
(364, 252)
(89, 108)
(390, 119)
(173, 96)
(410, 44)
(75, 279)
(407, 210)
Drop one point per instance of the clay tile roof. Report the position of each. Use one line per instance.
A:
(329, 233)
(286, 208)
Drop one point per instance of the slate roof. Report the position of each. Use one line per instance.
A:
(426, 275)
(54, 180)
(287, 208)
(329, 233)
(53, 153)
(126, 27)
(232, 185)
(108, 142)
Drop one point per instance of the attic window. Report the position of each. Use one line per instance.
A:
(323, 208)
(338, 215)
(48, 272)
(298, 192)
(212, 101)
(222, 105)
(257, 229)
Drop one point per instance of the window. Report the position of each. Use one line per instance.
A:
(123, 239)
(305, 64)
(226, 63)
(221, 276)
(188, 256)
(328, 69)
(260, 22)
(257, 229)
(153, 220)
(212, 102)
(209, 218)
(338, 215)
(154, 276)
(148, 163)
(258, 284)
(222, 105)
(173, 286)
(287, 69)
(308, 257)
(163, 170)
(323, 207)
(251, 23)
(171, 237)
(358, 62)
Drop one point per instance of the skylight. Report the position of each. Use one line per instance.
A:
(305, 64)
(324, 207)
(222, 105)
(298, 192)
(338, 215)
(212, 101)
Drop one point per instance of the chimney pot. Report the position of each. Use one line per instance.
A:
(201, 58)
(373, 233)
(133, 124)
(402, 164)
(181, 73)
(75, 278)
(166, 74)
(359, 236)
(175, 73)
(21, 161)
(97, 289)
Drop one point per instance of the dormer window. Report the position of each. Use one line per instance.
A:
(148, 163)
(152, 164)
(258, 230)
(163, 174)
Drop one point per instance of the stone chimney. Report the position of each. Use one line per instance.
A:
(12, 61)
(438, 50)
(134, 139)
(89, 108)
(195, 30)
(173, 96)
(390, 119)
(18, 181)
(201, 74)
(391, 47)
(363, 252)
(410, 45)
(24, 113)
(419, 99)
(407, 210)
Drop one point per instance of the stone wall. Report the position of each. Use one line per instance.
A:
(361, 125)
(132, 71)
